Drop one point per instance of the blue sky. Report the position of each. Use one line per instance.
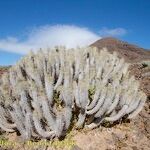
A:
(31, 24)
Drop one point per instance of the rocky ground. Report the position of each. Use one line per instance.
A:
(132, 135)
(141, 71)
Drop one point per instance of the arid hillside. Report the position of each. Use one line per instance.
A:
(126, 134)
(130, 52)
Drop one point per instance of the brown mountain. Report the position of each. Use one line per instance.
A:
(131, 53)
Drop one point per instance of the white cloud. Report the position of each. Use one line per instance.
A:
(112, 32)
(49, 36)
(62, 35)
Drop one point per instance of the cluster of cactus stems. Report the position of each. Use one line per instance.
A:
(46, 91)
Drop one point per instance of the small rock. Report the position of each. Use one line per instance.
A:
(134, 148)
(76, 147)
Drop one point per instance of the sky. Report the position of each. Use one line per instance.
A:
(32, 24)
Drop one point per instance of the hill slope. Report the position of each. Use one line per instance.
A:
(130, 52)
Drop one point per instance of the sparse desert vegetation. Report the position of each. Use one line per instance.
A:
(46, 94)
(115, 134)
